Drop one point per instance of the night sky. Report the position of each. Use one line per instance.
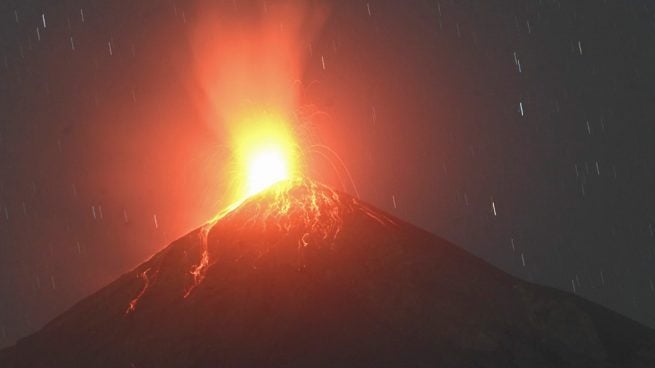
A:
(523, 131)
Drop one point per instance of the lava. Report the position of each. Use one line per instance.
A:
(289, 206)
(132, 305)
(311, 212)
(198, 271)
(301, 205)
(250, 95)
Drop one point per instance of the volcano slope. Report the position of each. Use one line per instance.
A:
(303, 276)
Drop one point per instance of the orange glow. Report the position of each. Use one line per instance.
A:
(265, 153)
(312, 213)
(249, 69)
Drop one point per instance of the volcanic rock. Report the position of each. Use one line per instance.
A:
(304, 276)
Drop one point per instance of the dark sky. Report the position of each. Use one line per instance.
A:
(523, 131)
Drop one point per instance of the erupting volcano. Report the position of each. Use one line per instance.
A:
(521, 130)
(301, 275)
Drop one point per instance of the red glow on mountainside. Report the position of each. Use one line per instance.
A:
(310, 213)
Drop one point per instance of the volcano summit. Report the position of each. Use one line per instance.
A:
(304, 276)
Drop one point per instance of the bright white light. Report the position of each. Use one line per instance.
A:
(266, 168)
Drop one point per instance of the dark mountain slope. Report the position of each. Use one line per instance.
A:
(302, 276)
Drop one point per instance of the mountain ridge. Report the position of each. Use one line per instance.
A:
(302, 275)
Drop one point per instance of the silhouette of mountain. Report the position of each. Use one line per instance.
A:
(304, 276)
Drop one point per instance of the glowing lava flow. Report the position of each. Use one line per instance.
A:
(132, 306)
(293, 205)
(198, 271)
(305, 212)
(267, 156)
(300, 208)
(300, 205)
(250, 91)
(274, 201)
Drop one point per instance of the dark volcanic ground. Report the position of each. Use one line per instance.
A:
(381, 293)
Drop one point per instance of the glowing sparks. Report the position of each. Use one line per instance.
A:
(265, 153)
(250, 94)
(266, 168)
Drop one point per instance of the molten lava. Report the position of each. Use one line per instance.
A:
(248, 70)
(293, 206)
(302, 212)
(132, 306)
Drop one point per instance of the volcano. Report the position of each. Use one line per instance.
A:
(301, 275)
